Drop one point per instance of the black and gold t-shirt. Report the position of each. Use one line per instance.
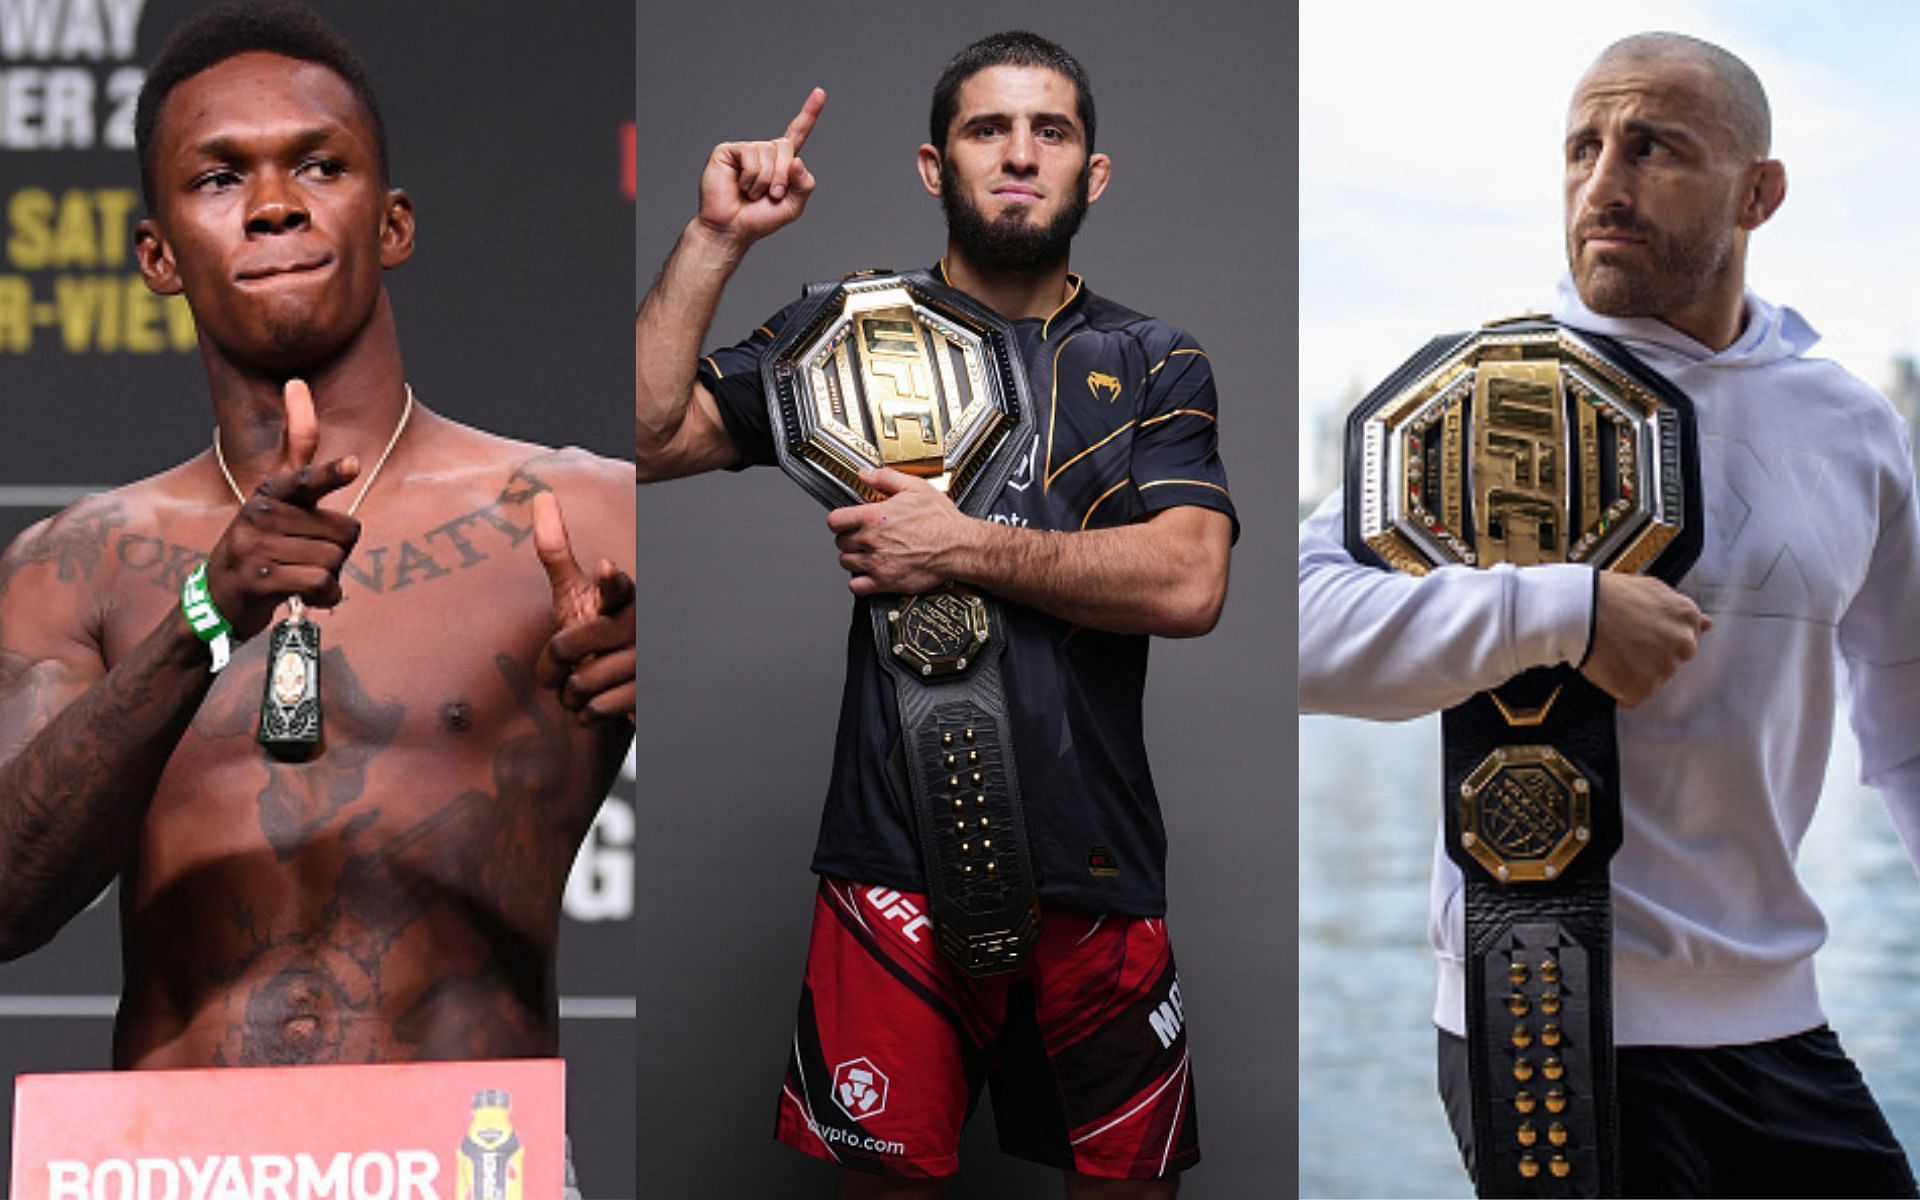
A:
(1126, 427)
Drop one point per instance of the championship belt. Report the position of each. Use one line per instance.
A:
(1529, 442)
(901, 371)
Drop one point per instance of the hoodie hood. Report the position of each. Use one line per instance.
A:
(1772, 332)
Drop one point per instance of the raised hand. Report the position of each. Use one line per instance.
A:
(281, 543)
(590, 660)
(750, 189)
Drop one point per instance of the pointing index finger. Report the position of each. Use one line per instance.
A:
(302, 428)
(802, 123)
(571, 586)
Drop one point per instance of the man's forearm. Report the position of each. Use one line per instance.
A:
(671, 325)
(1167, 576)
(1391, 646)
(73, 799)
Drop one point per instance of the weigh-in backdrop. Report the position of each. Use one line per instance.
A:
(744, 610)
(510, 124)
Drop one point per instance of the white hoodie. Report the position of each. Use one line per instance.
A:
(1811, 557)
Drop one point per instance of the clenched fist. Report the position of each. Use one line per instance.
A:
(1642, 631)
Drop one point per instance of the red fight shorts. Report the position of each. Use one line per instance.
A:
(1084, 1047)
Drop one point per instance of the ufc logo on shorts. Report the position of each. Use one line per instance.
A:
(895, 907)
(860, 1089)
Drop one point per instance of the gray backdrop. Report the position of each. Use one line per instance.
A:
(506, 125)
(744, 610)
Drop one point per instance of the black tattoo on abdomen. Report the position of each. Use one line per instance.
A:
(300, 798)
(298, 1016)
(489, 861)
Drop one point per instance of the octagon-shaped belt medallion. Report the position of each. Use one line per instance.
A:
(1525, 813)
(900, 371)
(939, 633)
(1522, 444)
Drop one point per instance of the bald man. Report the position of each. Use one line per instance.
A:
(1729, 1081)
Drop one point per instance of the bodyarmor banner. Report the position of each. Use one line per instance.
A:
(902, 371)
(1528, 442)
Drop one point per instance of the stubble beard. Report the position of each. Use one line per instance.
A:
(1677, 270)
(1010, 243)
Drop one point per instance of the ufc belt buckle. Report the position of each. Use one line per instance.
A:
(898, 370)
(1529, 442)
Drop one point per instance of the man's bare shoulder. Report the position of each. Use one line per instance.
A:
(69, 548)
(592, 488)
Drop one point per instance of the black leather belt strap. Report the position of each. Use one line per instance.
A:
(957, 744)
(1526, 442)
(902, 370)
(1539, 953)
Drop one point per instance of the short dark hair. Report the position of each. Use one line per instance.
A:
(1014, 48)
(214, 35)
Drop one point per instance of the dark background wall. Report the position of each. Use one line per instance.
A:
(744, 609)
(506, 123)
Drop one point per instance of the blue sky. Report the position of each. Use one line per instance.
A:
(1430, 172)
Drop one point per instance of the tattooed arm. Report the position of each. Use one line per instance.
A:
(82, 745)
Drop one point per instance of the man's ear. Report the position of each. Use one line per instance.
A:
(928, 160)
(1099, 171)
(396, 229)
(155, 256)
(1765, 193)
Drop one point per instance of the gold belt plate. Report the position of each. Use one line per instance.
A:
(1521, 446)
(1526, 813)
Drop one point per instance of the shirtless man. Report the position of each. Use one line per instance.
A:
(394, 893)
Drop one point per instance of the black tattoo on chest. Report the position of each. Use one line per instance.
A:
(450, 547)
(442, 551)
(301, 798)
(298, 996)
(166, 564)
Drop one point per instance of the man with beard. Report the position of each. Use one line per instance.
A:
(1117, 527)
(354, 852)
(1729, 1081)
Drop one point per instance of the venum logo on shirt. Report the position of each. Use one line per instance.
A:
(1102, 384)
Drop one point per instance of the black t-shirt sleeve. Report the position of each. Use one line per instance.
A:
(732, 374)
(1176, 451)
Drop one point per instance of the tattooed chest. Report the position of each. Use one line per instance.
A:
(407, 870)
(401, 744)
(440, 559)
